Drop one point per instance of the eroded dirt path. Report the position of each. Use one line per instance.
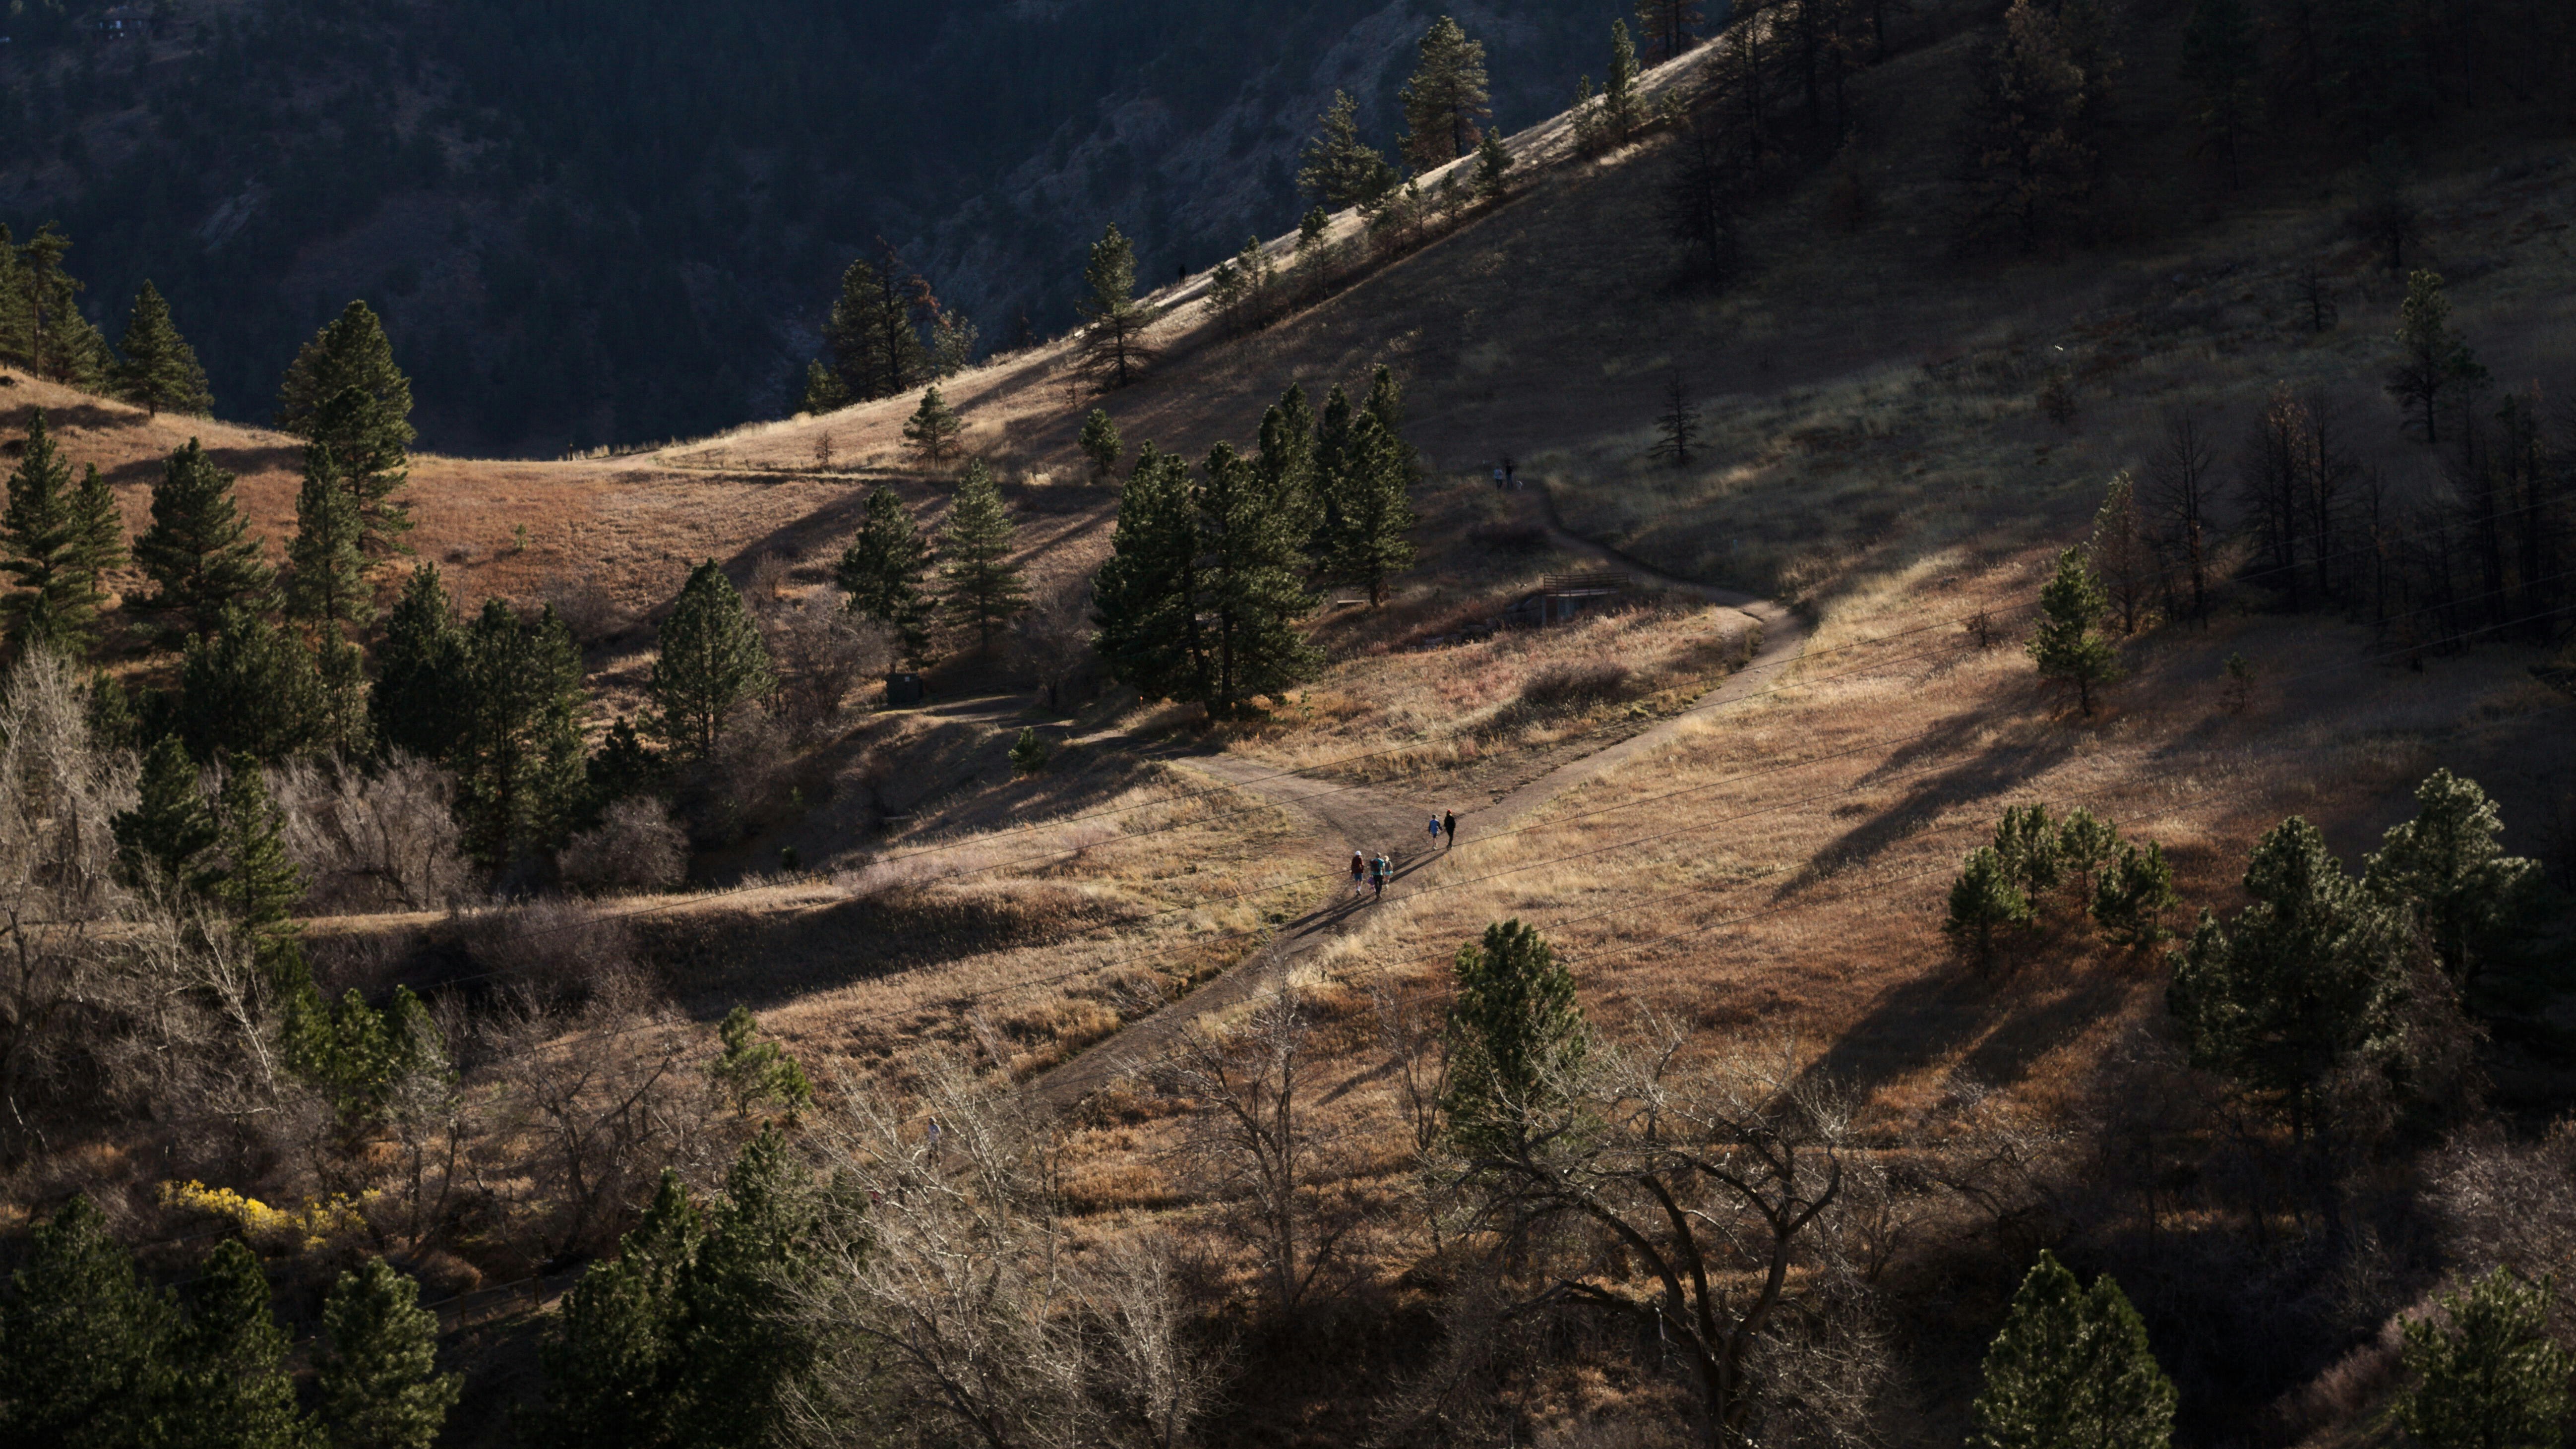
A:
(1394, 818)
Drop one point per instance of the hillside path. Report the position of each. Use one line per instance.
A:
(1390, 818)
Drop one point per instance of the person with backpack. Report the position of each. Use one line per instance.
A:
(1379, 870)
(1449, 826)
(1359, 871)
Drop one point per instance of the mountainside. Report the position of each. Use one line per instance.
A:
(603, 222)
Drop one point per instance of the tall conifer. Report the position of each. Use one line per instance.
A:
(377, 1375)
(1446, 97)
(1145, 599)
(518, 754)
(250, 875)
(2072, 1366)
(933, 428)
(421, 703)
(43, 544)
(1100, 443)
(230, 1388)
(344, 394)
(880, 573)
(170, 827)
(984, 589)
(198, 551)
(1251, 588)
(250, 689)
(160, 369)
(326, 573)
(712, 663)
(1341, 170)
(1114, 351)
(2066, 645)
(84, 1344)
(1373, 543)
(1515, 1032)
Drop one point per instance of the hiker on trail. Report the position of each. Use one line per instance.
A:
(1435, 832)
(1379, 870)
(1449, 825)
(1359, 871)
(1498, 480)
(1511, 473)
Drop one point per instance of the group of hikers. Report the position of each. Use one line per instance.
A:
(1371, 873)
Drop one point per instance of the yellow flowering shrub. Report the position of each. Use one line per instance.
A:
(311, 1226)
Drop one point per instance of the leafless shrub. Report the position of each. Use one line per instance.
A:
(1576, 686)
(1149, 1376)
(2511, 1204)
(821, 652)
(58, 891)
(1245, 1090)
(634, 849)
(553, 950)
(742, 781)
(373, 841)
(586, 606)
(1051, 639)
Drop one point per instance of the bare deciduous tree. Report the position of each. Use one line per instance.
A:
(820, 653)
(385, 839)
(634, 847)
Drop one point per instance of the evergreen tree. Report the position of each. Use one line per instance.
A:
(2447, 868)
(613, 1360)
(98, 536)
(1287, 462)
(739, 1350)
(2121, 555)
(875, 352)
(230, 1388)
(44, 548)
(84, 1345)
(197, 551)
(713, 662)
(880, 573)
(377, 1377)
(518, 758)
(1145, 599)
(326, 573)
(251, 877)
(2222, 62)
(623, 767)
(2066, 646)
(1620, 108)
(1100, 443)
(170, 828)
(1668, 26)
(2298, 983)
(2028, 847)
(1113, 340)
(2433, 361)
(160, 369)
(358, 1056)
(823, 391)
(344, 395)
(984, 590)
(2130, 899)
(2072, 1367)
(1332, 469)
(2029, 154)
(1516, 1034)
(340, 723)
(60, 344)
(1493, 168)
(1677, 428)
(421, 703)
(1250, 586)
(1341, 170)
(2485, 1372)
(250, 689)
(933, 429)
(1376, 510)
(1983, 900)
(753, 1071)
(1446, 97)
(2087, 845)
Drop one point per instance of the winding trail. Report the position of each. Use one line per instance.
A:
(1392, 818)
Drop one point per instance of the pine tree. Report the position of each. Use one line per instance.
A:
(358, 1056)
(160, 369)
(875, 351)
(1493, 168)
(421, 703)
(2072, 1367)
(1114, 350)
(752, 1071)
(2298, 983)
(1667, 26)
(1677, 427)
(2222, 62)
(2486, 1373)
(1332, 467)
(2029, 156)
(251, 877)
(2066, 646)
(1145, 599)
(1619, 103)
(2027, 847)
(1250, 586)
(170, 827)
(2120, 553)
(2087, 845)
(344, 394)
(1100, 443)
(2433, 361)
(98, 536)
(740, 1352)
(713, 662)
(2447, 868)
(612, 1362)
(340, 723)
(230, 1388)
(1446, 97)
(1516, 1036)
(1377, 516)
(84, 1345)
(1287, 462)
(823, 391)
(60, 344)
(518, 757)
(1341, 170)
(326, 573)
(197, 551)
(880, 573)
(2130, 898)
(933, 429)
(42, 549)
(984, 590)
(1983, 900)
(249, 689)
(377, 1378)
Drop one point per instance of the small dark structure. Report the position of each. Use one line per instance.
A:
(1563, 596)
(903, 688)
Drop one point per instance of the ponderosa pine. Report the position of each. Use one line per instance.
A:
(1373, 541)
(199, 552)
(2486, 1373)
(421, 704)
(159, 369)
(933, 429)
(2067, 645)
(84, 1343)
(344, 394)
(162, 838)
(247, 688)
(1114, 350)
(713, 662)
(984, 591)
(1250, 587)
(326, 569)
(1516, 1035)
(1100, 444)
(2072, 1366)
(1145, 597)
(880, 574)
(42, 549)
(1446, 97)
(376, 1378)
(1340, 170)
(521, 774)
(229, 1388)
